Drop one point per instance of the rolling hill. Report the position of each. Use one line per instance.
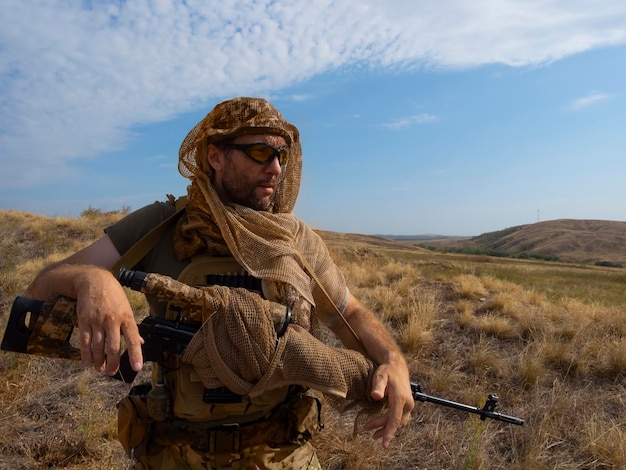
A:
(580, 241)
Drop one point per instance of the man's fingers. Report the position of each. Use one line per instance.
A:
(112, 350)
(104, 315)
(85, 346)
(406, 416)
(97, 350)
(398, 412)
(378, 390)
(133, 345)
(384, 429)
(375, 423)
(379, 385)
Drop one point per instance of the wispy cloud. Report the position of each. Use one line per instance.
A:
(589, 100)
(299, 98)
(77, 76)
(406, 122)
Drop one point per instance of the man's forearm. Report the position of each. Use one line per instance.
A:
(372, 335)
(391, 377)
(69, 276)
(52, 281)
(62, 279)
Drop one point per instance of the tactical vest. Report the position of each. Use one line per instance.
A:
(190, 400)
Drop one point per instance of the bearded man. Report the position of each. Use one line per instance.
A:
(244, 161)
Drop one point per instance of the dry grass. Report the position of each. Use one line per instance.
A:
(549, 339)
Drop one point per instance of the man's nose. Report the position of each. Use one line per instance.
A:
(273, 167)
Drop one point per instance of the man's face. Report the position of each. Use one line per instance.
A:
(240, 179)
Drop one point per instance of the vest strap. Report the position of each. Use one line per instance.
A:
(140, 249)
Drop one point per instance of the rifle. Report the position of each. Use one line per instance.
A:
(45, 328)
(487, 411)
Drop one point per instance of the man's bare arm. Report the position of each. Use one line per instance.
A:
(391, 378)
(104, 314)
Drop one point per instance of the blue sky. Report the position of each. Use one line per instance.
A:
(449, 117)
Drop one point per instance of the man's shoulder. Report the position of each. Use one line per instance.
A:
(149, 219)
(155, 212)
(139, 222)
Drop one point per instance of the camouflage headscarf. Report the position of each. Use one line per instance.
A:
(267, 244)
(242, 116)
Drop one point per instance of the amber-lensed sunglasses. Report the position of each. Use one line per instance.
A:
(262, 153)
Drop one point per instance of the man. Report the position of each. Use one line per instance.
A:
(244, 163)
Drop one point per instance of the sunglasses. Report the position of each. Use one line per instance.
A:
(262, 152)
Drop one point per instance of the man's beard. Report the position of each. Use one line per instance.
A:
(242, 192)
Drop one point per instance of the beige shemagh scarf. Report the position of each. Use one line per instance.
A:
(239, 347)
(268, 246)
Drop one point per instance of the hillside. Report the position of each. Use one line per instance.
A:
(582, 241)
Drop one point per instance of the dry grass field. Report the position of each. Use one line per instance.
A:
(548, 338)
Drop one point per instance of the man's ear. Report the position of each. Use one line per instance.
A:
(215, 157)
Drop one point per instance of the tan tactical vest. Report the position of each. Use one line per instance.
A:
(190, 399)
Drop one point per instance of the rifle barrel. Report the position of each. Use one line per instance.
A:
(485, 412)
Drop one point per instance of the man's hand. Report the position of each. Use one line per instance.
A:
(104, 315)
(391, 378)
(391, 381)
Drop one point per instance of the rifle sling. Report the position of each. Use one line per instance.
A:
(140, 249)
(311, 272)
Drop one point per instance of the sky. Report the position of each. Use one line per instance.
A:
(416, 117)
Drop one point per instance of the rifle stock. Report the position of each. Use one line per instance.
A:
(41, 328)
